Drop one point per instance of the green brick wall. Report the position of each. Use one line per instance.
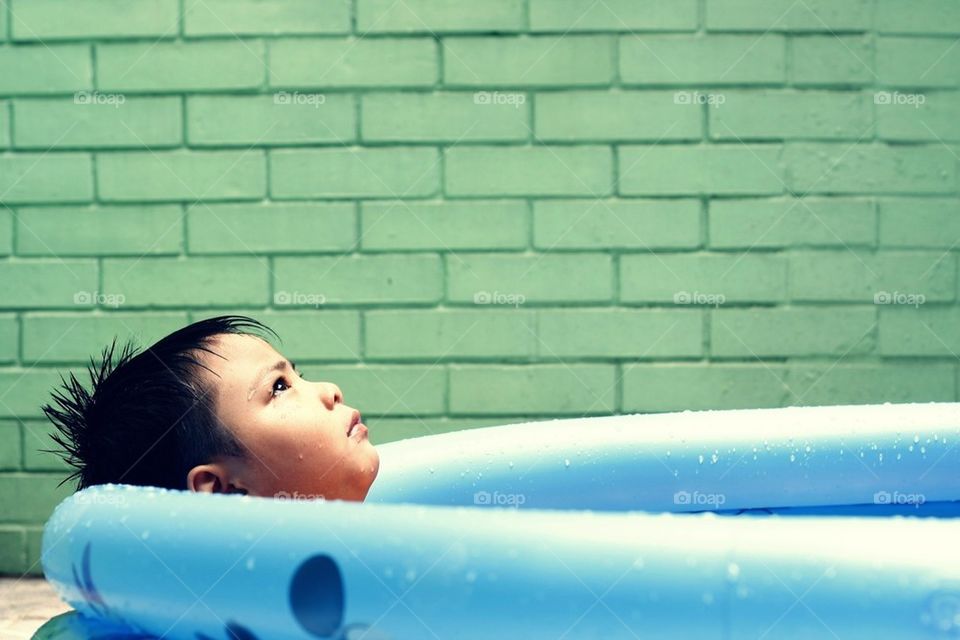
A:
(470, 213)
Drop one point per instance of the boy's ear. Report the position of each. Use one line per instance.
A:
(213, 478)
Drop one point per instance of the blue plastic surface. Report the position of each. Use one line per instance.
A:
(484, 533)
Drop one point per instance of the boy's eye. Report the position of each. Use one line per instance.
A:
(280, 385)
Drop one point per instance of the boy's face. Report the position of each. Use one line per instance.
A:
(294, 430)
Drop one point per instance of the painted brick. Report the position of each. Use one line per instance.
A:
(613, 116)
(613, 15)
(175, 282)
(395, 172)
(6, 231)
(36, 438)
(515, 171)
(50, 20)
(48, 283)
(534, 61)
(5, 133)
(499, 279)
(542, 389)
(281, 118)
(792, 222)
(779, 115)
(30, 497)
(95, 231)
(918, 62)
(13, 558)
(679, 387)
(329, 336)
(9, 338)
(24, 391)
(440, 117)
(181, 175)
(787, 15)
(792, 332)
(626, 224)
(734, 169)
(393, 390)
(620, 333)
(50, 338)
(670, 278)
(254, 17)
(394, 278)
(398, 225)
(44, 69)
(46, 177)
(353, 62)
(919, 223)
(294, 227)
(432, 335)
(825, 384)
(438, 16)
(11, 449)
(859, 277)
(910, 330)
(74, 122)
(902, 117)
(393, 429)
(711, 60)
(832, 60)
(869, 168)
(180, 66)
(918, 16)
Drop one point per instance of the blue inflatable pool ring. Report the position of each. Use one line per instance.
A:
(552, 530)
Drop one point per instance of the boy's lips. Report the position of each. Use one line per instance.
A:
(354, 421)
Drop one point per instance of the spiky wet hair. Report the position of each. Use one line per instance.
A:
(148, 416)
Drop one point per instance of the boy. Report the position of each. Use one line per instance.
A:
(212, 407)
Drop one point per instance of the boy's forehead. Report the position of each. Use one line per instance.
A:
(241, 354)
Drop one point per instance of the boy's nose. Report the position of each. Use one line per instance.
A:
(330, 395)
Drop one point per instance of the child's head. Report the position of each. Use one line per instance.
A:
(212, 407)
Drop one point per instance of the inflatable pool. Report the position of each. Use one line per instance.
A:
(552, 530)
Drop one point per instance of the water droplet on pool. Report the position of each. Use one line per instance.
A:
(566, 462)
(916, 439)
(714, 458)
(700, 459)
(793, 458)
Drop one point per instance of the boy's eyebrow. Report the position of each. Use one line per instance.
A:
(280, 365)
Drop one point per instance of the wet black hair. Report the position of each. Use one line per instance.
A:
(148, 417)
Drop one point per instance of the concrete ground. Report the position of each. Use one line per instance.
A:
(25, 604)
